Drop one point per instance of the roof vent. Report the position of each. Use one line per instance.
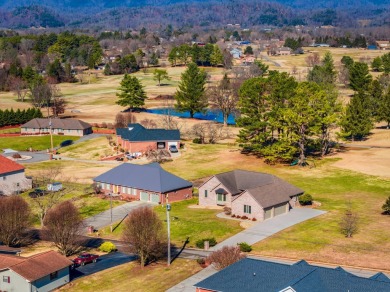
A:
(131, 128)
(254, 274)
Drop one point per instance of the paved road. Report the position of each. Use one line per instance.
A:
(104, 262)
(118, 213)
(264, 229)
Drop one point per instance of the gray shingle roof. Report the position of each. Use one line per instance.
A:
(258, 275)
(150, 177)
(66, 124)
(267, 189)
(137, 133)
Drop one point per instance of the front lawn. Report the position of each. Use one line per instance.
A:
(130, 277)
(189, 223)
(24, 143)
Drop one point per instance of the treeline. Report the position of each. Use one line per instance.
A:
(11, 117)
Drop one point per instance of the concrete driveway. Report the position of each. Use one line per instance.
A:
(104, 262)
(118, 213)
(264, 229)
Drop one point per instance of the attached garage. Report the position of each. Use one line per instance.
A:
(267, 214)
(155, 198)
(144, 196)
(280, 209)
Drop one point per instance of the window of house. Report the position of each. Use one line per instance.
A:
(102, 186)
(205, 193)
(6, 279)
(247, 209)
(4, 177)
(54, 275)
(108, 187)
(134, 192)
(221, 197)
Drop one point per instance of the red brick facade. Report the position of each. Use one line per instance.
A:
(143, 146)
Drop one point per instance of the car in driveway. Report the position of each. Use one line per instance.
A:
(36, 193)
(85, 258)
(173, 149)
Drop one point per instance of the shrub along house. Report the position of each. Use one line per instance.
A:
(251, 194)
(41, 272)
(136, 138)
(12, 177)
(148, 183)
(68, 127)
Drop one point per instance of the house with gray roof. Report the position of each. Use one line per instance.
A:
(148, 183)
(248, 193)
(258, 275)
(68, 127)
(137, 138)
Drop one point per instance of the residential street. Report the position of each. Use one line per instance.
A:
(264, 229)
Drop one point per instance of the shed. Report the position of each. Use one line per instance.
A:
(54, 187)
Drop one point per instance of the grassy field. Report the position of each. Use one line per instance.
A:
(130, 277)
(10, 130)
(23, 143)
(91, 149)
(189, 223)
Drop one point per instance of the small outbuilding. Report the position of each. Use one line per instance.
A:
(54, 187)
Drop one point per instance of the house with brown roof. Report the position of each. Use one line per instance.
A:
(12, 177)
(383, 45)
(68, 127)
(41, 272)
(251, 194)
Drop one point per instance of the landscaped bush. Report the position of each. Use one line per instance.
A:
(227, 210)
(305, 199)
(234, 216)
(244, 217)
(225, 257)
(200, 261)
(245, 247)
(107, 246)
(254, 219)
(16, 155)
(238, 216)
(200, 242)
(197, 141)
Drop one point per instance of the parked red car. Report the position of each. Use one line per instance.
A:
(85, 258)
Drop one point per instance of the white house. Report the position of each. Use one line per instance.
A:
(12, 177)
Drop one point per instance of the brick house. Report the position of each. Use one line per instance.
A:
(41, 272)
(68, 127)
(148, 183)
(251, 194)
(259, 275)
(136, 138)
(12, 177)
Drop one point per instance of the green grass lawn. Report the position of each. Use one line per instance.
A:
(130, 277)
(10, 130)
(23, 143)
(191, 223)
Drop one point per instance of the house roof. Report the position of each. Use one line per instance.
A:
(35, 267)
(66, 124)
(257, 275)
(150, 177)
(138, 133)
(267, 189)
(8, 166)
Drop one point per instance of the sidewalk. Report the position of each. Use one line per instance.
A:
(188, 284)
(264, 229)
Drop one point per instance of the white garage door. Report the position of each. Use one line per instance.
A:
(144, 197)
(280, 209)
(268, 214)
(155, 198)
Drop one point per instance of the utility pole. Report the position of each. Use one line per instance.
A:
(111, 211)
(51, 139)
(169, 232)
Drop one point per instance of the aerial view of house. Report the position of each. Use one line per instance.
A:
(42, 272)
(252, 194)
(149, 183)
(136, 138)
(69, 127)
(12, 177)
(258, 275)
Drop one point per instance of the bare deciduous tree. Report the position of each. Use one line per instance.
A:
(63, 225)
(123, 119)
(19, 86)
(225, 256)
(313, 59)
(14, 220)
(349, 223)
(148, 123)
(144, 233)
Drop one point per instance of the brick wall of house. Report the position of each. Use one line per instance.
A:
(246, 199)
(211, 199)
(65, 132)
(142, 146)
(178, 195)
(203, 290)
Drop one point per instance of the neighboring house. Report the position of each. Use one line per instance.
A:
(12, 177)
(41, 272)
(236, 53)
(248, 61)
(257, 275)
(383, 45)
(136, 138)
(284, 51)
(69, 127)
(251, 194)
(148, 183)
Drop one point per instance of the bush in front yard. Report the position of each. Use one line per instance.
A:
(225, 257)
(200, 242)
(107, 246)
(245, 247)
(305, 199)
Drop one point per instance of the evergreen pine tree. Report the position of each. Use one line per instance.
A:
(191, 94)
(359, 77)
(216, 58)
(384, 108)
(131, 93)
